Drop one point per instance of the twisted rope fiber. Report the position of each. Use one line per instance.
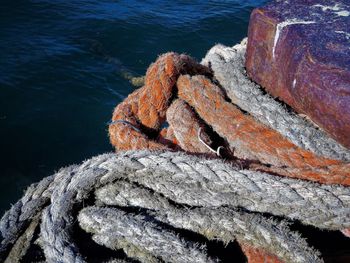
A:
(24, 242)
(250, 139)
(267, 144)
(20, 215)
(213, 223)
(196, 182)
(117, 229)
(57, 220)
(331, 210)
(256, 145)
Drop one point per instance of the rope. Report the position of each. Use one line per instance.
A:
(190, 133)
(151, 102)
(23, 243)
(193, 182)
(143, 240)
(140, 201)
(220, 223)
(280, 142)
(252, 140)
(18, 218)
(113, 177)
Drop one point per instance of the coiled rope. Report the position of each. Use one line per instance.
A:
(281, 142)
(138, 201)
(184, 191)
(231, 113)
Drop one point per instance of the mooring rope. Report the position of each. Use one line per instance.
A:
(281, 142)
(124, 179)
(241, 188)
(214, 223)
(253, 140)
(142, 239)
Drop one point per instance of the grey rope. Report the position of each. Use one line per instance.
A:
(58, 220)
(206, 185)
(17, 219)
(213, 223)
(180, 169)
(23, 243)
(210, 182)
(116, 229)
(228, 66)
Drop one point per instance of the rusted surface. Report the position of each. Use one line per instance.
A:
(255, 255)
(299, 51)
(252, 140)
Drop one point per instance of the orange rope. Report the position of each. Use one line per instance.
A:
(255, 255)
(145, 109)
(255, 141)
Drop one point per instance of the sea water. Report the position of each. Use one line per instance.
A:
(63, 65)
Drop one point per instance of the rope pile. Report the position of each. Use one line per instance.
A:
(222, 112)
(139, 200)
(227, 168)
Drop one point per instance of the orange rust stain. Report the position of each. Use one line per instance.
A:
(256, 255)
(254, 140)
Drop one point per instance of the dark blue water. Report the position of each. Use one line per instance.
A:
(62, 64)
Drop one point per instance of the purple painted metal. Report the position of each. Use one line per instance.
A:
(299, 51)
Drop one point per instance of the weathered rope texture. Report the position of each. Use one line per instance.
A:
(220, 223)
(213, 125)
(150, 102)
(122, 180)
(217, 184)
(230, 116)
(280, 142)
(141, 239)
